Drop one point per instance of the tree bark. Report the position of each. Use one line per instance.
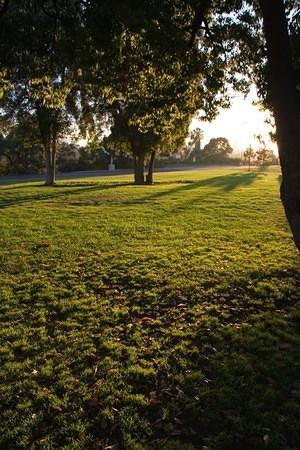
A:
(53, 161)
(286, 106)
(139, 169)
(50, 159)
(48, 132)
(149, 176)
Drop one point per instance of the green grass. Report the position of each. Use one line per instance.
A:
(159, 317)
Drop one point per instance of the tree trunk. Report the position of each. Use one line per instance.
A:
(41, 160)
(286, 105)
(50, 159)
(139, 169)
(53, 161)
(49, 139)
(149, 177)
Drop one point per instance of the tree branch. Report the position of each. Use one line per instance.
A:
(198, 20)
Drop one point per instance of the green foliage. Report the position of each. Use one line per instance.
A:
(68, 157)
(42, 74)
(217, 151)
(160, 65)
(137, 318)
(4, 83)
(21, 150)
(157, 77)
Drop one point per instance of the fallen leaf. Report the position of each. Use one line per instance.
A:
(147, 319)
(57, 408)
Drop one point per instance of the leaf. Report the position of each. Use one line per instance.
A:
(57, 408)
(147, 319)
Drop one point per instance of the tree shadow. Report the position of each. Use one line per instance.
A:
(225, 183)
(231, 378)
(55, 192)
(242, 387)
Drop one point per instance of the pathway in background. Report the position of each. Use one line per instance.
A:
(101, 173)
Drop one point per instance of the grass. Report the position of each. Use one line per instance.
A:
(159, 317)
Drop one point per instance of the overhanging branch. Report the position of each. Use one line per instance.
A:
(199, 19)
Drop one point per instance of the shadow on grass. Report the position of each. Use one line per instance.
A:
(225, 183)
(242, 387)
(38, 184)
(165, 376)
(54, 192)
(224, 381)
(17, 184)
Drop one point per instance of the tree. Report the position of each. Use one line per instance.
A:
(263, 154)
(156, 70)
(21, 149)
(286, 107)
(249, 156)
(217, 151)
(128, 138)
(144, 146)
(39, 70)
(52, 123)
(194, 144)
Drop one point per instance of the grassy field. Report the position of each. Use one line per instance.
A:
(156, 317)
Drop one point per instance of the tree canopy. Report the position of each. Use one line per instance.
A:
(217, 151)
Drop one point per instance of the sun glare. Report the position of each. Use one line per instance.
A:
(239, 124)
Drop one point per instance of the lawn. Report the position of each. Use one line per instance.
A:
(149, 317)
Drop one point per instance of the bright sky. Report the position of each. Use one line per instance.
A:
(239, 124)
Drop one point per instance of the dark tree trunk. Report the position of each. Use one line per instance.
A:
(41, 160)
(53, 160)
(50, 159)
(285, 102)
(149, 177)
(139, 169)
(48, 132)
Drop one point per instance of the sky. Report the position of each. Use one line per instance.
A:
(239, 124)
